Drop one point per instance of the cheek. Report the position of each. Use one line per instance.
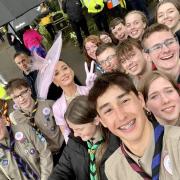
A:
(153, 106)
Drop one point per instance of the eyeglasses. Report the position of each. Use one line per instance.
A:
(158, 47)
(22, 94)
(107, 60)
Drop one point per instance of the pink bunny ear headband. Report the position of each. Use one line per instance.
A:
(46, 68)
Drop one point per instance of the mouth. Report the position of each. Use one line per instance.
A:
(168, 109)
(165, 58)
(128, 126)
(122, 36)
(134, 32)
(65, 78)
(133, 68)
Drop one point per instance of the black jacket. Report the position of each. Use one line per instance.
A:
(73, 8)
(74, 162)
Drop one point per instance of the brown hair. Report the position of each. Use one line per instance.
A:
(16, 84)
(80, 111)
(126, 47)
(94, 39)
(143, 16)
(113, 23)
(104, 81)
(149, 78)
(176, 3)
(153, 28)
(20, 53)
(103, 47)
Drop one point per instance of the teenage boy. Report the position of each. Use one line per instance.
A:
(37, 113)
(107, 58)
(133, 60)
(162, 48)
(118, 29)
(148, 150)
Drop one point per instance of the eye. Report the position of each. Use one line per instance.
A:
(65, 68)
(153, 97)
(56, 73)
(107, 111)
(169, 91)
(125, 101)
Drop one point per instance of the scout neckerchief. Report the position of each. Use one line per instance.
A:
(92, 148)
(23, 166)
(32, 121)
(156, 161)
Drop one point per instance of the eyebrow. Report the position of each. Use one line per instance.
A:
(118, 97)
(150, 94)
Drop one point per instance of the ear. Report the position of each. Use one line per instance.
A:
(101, 120)
(147, 57)
(141, 98)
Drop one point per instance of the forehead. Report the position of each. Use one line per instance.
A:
(159, 84)
(18, 90)
(166, 6)
(108, 51)
(158, 37)
(21, 57)
(132, 17)
(116, 28)
(60, 64)
(110, 95)
(103, 35)
(90, 44)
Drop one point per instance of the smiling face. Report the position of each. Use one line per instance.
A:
(119, 32)
(136, 62)
(91, 49)
(164, 101)
(168, 14)
(166, 58)
(135, 26)
(108, 60)
(84, 131)
(105, 38)
(64, 75)
(122, 113)
(22, 98)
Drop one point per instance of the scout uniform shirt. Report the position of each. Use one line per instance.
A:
(44, 120)
(117, 167)
(31, 148)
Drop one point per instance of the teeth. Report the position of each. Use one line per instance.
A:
(167, 57)
(168, 109)
(125, 127)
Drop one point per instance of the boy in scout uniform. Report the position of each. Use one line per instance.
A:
(148, 150)
(37, 113)
(23, 153)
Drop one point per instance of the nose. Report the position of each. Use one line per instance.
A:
(120, 114)
(164, 98)
(165, 48)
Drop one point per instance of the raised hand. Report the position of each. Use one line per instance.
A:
(90, 75)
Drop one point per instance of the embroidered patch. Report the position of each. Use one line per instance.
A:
(167, 164)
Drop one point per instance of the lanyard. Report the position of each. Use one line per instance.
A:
(156, 161)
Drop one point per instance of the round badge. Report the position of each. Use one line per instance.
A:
(32, 151)
(19, 136)
(167, 164)
(26, 151)
(46, 111)
(4, 162)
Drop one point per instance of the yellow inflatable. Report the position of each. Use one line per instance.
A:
(3, 94)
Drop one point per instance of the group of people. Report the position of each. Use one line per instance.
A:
(122, 124)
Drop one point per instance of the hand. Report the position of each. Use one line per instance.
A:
(90, 75)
